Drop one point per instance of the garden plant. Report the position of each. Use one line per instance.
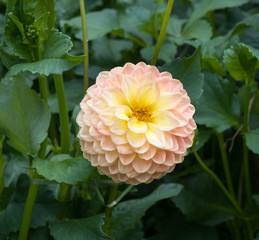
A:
(129, 119)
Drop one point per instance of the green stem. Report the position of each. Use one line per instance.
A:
(26, 220)
(85, 43)
(245, 149)
(65, 191)
(225, 163)
(162, 31)
(108, 210)
(63, 113)
(43, 87)
(1, 147)
(223, 188)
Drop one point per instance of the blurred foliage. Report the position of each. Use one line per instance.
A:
(212, 48)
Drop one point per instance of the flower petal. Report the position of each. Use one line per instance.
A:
(119, 126)
(166, 101)
(155, 136)
(123, 112)
(136, 139)
(164, 120)
(113, 96)
(137, 126)
(127, 158)
(141, 165)
(148, 93)
(129, 87)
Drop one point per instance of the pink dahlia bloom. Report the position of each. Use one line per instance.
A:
(135, 123)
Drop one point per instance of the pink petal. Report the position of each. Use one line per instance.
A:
(160, 157)
(127, 158)
(141, 165)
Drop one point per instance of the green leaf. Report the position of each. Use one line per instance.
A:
(199, 29)
(123, 218)
(48, 66)
(39, 7)
(218, 106)
(242, 62)
(212, 65)
(57, 45)
(13, 33)
(79, 229)
(252, 140)
(210, 208)
(167, 52)
(24, 117)
(65, 169)
(109, 51)
(98, 24)
(2, 165)
(188, 71)
(202, 7)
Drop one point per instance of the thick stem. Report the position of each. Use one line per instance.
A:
(26, 220)
(65, 191)
(85, 43)
(63, 113)
(162, 31)
(108, 210)
(245, 149)
(225, 163)
(223, 188)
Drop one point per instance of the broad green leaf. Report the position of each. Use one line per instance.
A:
(79, 229)
(48, 66)
(98, 24)
(109, 51)
(24, 117)
(45, 209)
(242, 62)
(201, 7)
(203, 201)
(212, 65)
(199, 29)
(65, 169)
(123, 218)
(57, 45)
(218, 106)
(167, 52)
(252, 140)
(188, 71)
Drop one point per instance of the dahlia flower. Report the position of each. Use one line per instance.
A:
(135, 123)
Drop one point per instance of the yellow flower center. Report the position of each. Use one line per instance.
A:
(142, 114)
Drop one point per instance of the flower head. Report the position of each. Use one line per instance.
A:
(135, 123)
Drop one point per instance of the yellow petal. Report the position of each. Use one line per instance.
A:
(119, 126)
(137, 126)
(123, 112)
(164, 120)
(129, 87)
(166, 101)
(148, 93)
(155, 136)
(136, 140)
(113, 96)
